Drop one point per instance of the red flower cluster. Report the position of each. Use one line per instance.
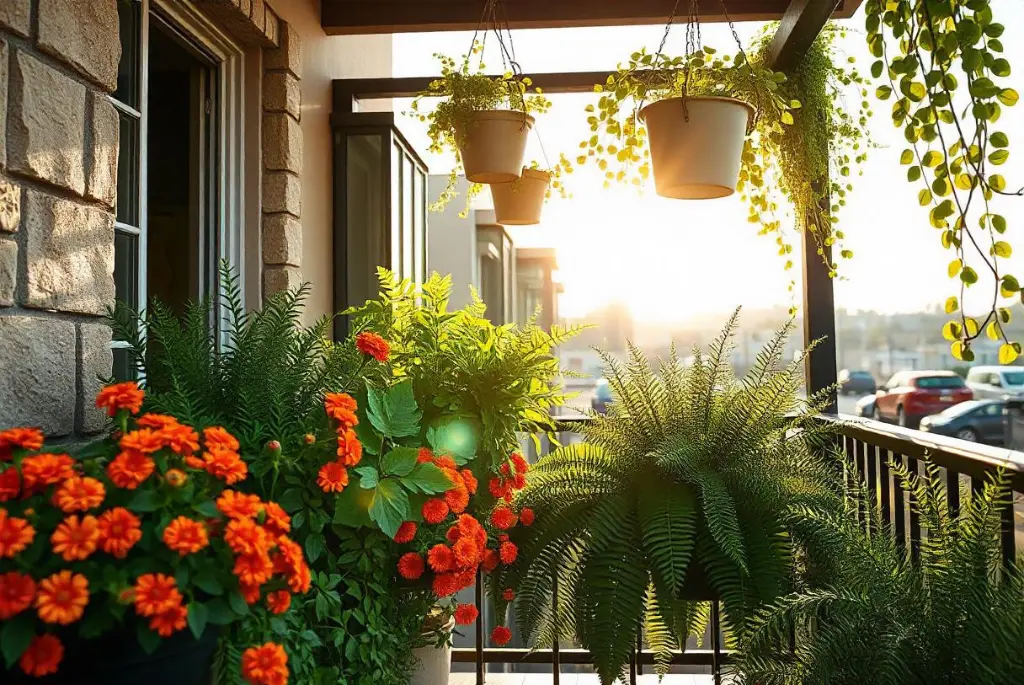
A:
(512, 478)
(265, 665)
(372, 345)
(456, 499)
(333, 476)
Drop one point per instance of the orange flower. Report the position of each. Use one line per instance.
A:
(445, 584)
(277, 519)
(254, 568)
(445, 461)
(434, 510)
(225, 465)
(457, 499)
(10, 484)
(185, 536)
(501, 635)
(518, 481)
(120, 396)
(15, 534)
(424, 456)
(243, 536)
(182, 439)
(405, 533)
(216, 438)
(503, 518)
(42, 657)
(526, 516)
(300, 579)
(520, 464)
(265, 665)
(465, 614)
(499, 488)
(79, 494)
(160, 422)
(468, 525)
(342, 408)
(75, 540)
(333, 477)
(119, 531)
(170, 621)
(250, 592)
(508, 552)
(288, 560)
(175, 477)
(491, 560)
(30, 439)
(279, 601)
(440, 558)
(46, 469)
(129, 469)
(469, 480)
(237, 505)
(16, 593)
(350, 450)
(145, 440)
(373, 345)
(467, 552)
(156, 593)
(410, 566)
(62, 597)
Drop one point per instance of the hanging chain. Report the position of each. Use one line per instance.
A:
(491, 22)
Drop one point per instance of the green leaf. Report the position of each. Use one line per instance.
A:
(198, 615)
(219, 613)
(390, 506)
(207, 580)
(999, 157)
(145, 501)
(969, 276)
(914, 174)
(456, 437)
(207, 508)
(999, 223)
(992, 331)
(907, 157)
(291, 500)
(924, 197)
(1002, 249)
(787, 118)
(952, 330)
(999, 139)
(314, 547)
(394, 412)
(238, 604)
(997, 182)
(399, 461)
(952, 304)
(883, 92)
(17, 634)
(148, 638)
(368, 477)
(351, 507)
(876, 68)
(428, 479)
(1008, 96)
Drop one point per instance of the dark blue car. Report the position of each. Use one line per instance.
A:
(973, 420)
(602, 397)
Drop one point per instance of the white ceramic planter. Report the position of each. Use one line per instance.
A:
(493, 145)
(520, 202)
(433, 664)
(699, 158)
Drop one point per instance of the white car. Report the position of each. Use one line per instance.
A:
(996, 382)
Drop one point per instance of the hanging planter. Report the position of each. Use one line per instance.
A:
(434, 659)
(696, 145)
(520, 202)
(492, 144)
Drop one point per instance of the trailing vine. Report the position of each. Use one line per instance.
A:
(936, 57)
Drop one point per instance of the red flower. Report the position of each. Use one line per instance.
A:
(410, 566)
(467, 552)
(265, 665)
(503, 518)
(509, 552)
(491, 560)
(457, 499)
(445, 461)
(470, 480)
(10, 484)
(405, 533)
(46, 469)
(30, 439)
(499, 488)
(253, 569)
(279, 601)
(16, 593)
(217, 438)
(518, 481)
(277, 519)
(170, 621)
(79, 494)
(453, 534)
(120, 396)
(15, 534)
(434, 510)
(526, 516)
(350, 450)
(333, 477)
(520, 464)
(237, 505)
(42, 657)
(446, 584)
(501, 635)
(465, 614)
(129, 469)
(342, 408)
(425, 456)
(119, 531)
(156, 593)
(373, 345)
(225, 465)
(250, 592)
(508, 594)
(441, 558)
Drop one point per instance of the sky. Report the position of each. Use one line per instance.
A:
(669, 260)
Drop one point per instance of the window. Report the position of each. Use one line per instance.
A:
(939, 382)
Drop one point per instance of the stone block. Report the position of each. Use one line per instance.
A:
(282, 143)
(282, 192)
(83, 34)
(46, 124)
(37, 387)
(70, 249)
(15, 16)
(3, 103)
(282, 240)
(281, 93)
(10, 205)
(102, 178)
(287, 56)
(278, 279)
(95, 360)
(8, 271)
(271, 29)
(258, 14)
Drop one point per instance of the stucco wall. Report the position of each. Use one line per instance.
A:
(324, 58)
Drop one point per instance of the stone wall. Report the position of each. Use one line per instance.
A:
(58, 171)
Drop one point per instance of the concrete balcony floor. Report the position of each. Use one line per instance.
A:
(573, 679)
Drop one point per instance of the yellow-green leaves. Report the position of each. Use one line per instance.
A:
(962, 351)
(997, 182)
(1001, 249)
(883, 92)
(924, 198)
(1008, 96)
(1008, 353)
(952, 330)
(952, 304)
(954, 267)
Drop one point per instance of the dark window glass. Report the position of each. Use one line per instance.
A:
(126, 268)
(939, 382)
(128, 172)
(128, 12)
(124, 365)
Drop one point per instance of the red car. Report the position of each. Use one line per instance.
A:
(909, 396)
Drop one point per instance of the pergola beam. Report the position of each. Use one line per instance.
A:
(800, 25)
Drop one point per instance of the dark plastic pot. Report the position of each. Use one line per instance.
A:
(117, 659)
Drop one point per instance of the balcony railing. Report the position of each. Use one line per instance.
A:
(868, 447)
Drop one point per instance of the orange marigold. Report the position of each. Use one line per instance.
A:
(46, 469)
(406, 532)
(182, 439)
(508, 552)
(169, 621)
(518, 482)
(75, 540)
(434, 510)
(243, 536)
(457, 499)
(300, 579)
(156, 593)
(42, 657)
(445, 584)
(158, 422)
(30, 439)
(15, 534)
(467, 552)
(236, 505)
(520, 464)
(79, 494)
(145, 440)
(424, 456)
(225, 465)
(217, 438)
(503, 518)
(526, 516)
(501, 635)
(410, 566)
(119, 531)
(350, 450)
(16, 593)
(250, 592)
(265, 665)
(129, 469)
(10, 484)
(491, 560)
(465, 614)
(445, 461)
(62, 597)
(342, 408)
(373, 345)
(278, 601)
(253, 568)
(469, 480)
(185, 536)
(120, 396)
(276, 518)
(499, 488)
(441, 558)
(333, 477)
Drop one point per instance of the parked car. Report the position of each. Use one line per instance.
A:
(865, 406)
(974, 421)
(602, 396)
(909, 396)
(996, 382)
(856, 382)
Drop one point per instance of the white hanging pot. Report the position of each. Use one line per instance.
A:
(519, 202)
(433, 664)
(699, 158)
(493, 145)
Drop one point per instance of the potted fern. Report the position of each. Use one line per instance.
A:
(520, 202)
(677, 496)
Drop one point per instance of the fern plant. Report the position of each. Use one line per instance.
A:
(953, 617)
(676, 496)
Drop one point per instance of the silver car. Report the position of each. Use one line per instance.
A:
(996, 382)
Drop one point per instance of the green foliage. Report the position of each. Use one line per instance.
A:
(954, 617)
(941, 63)
(686, 480)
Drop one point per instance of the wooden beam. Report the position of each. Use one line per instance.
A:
(800, 25)
(339, 17)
